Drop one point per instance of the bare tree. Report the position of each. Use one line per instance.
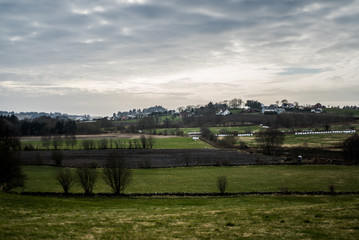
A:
(88, 144)
(116, 173)
(87, 177)
(103, 144)
(57, 142)
(151, 141)
(65, 178)
(70, 140)
(222, 184)
(270, 140)
(46, 141)
(144, 142)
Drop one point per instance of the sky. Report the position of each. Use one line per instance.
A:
(104, 56)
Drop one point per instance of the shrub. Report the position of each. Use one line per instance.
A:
(65, 178)
(46, 142)
(222, 184)
(206, 133)
(29, 147)
(103, 144)
(11, 174)
(87, 177)
(70, 141)
(270, 140)
(88, 144)
(116, 173)
(57, 142)
(57, 156)
(351, 148)
(332, 188)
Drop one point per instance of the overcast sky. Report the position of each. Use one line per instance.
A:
(99, 57)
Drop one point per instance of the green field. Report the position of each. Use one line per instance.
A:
(250, 217)
(237, 217)
(160, 143)
(318, 140)
(203, 179)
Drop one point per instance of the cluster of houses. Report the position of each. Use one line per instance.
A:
(56, 115)
(274, 109)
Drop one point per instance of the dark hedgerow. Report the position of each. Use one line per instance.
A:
(351, 148)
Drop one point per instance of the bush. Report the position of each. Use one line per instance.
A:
(88, 144)
(57, 142)
(270, 140)
(351, 148)
(87, 177)
(65, 178)
(116, 173)
(103, 144)
(206, 133)
(11, 175)
(57, 156)
(222, 184)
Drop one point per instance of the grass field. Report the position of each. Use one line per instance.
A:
(160, 143)
(251, 217)
(203, 179)
(240, 217)
(318, 140)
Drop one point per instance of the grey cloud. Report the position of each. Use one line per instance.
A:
(160, 38)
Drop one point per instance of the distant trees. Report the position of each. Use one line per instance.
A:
(116, 173)
(11, 175)
(147, 142)
(270, 140)
(254, 104)
(235, 103)
(47, 126)
(88, 144)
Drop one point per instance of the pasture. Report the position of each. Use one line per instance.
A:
(160, 143)
(203, 179)
(237, 217)
(315, 140)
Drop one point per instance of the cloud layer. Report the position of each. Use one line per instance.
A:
(98, 57)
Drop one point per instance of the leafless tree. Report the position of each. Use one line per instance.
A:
(87, 177)
(65, 178)
(222, 184)
(116, 173)
(270, 140)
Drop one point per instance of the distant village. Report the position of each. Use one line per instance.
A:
(220, 109)
(57, 115)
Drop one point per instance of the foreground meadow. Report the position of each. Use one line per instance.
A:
(250, 217)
